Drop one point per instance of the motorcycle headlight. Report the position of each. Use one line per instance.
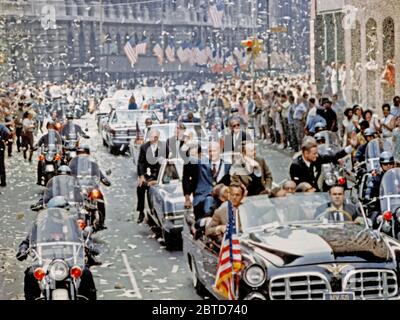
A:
(254, 275)
(49, 157)
(58, 270)
(330, 180)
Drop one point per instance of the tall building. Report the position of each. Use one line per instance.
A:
(361, 38)
(59, 39)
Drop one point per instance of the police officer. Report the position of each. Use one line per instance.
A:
(386, 160)
(54, 137)
(10, 126)
(70, 127)
(4, 136)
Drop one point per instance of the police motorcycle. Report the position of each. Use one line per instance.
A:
(88, 176)
(332, 173)
(50, 158)
(389, 198)
(371, 166)
(57, 248)
(70, 142)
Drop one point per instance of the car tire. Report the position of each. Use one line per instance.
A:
(111, 149)
(198, 286)
(168, 240)
(104, 143)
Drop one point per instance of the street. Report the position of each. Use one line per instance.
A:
(134, 264)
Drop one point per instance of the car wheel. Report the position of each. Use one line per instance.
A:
(111, 149)
(168, 240)
(104, 143)
(198, 286)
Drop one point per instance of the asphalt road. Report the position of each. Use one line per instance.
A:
(135, 265)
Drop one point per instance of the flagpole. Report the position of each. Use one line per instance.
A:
(254, 39)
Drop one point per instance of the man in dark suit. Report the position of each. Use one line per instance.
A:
(175, 143)
(338, 204)
(252, 171)
(307, 166)
(233, 140)
(151, 156)
(200, 177)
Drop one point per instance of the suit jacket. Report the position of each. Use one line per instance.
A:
(243, 176)
(149, 165)
(230, 145)
(198, 179)
(220, 217)
(299, 172)
(172, 151)
(348, 207)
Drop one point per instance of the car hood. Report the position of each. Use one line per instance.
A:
(296, 245)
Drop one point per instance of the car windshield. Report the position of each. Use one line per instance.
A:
(261, 211)
(133, 116)
(173, 171)
(193, 131)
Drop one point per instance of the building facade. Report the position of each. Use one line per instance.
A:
(362, 38)
(60, 39)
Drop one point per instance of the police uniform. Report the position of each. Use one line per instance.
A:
(4, 135)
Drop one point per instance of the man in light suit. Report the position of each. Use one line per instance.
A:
(217, 226)
(252, 171)
(233, 140)
(151, 156)
(175, 143)
(202, 176)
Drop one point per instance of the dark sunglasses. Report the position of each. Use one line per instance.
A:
(236, 125)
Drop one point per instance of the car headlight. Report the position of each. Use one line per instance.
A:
(254, 275)
(58, 270)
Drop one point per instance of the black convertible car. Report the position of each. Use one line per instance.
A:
(166, 203)
(292, 250)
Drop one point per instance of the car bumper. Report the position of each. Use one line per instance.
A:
(174, 227)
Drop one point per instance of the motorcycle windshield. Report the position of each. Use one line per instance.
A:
(86, 171)
(69, 131)
(372, 153)
(56, 235)
(390, 190)
(66, 186)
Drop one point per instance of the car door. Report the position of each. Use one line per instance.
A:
(210, 260)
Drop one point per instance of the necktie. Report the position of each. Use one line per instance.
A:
(214, 170)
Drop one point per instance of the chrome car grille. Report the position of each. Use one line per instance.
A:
(299, 286)
(371, 283)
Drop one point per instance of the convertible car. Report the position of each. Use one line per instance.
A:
(120, 127)
(166, 204)
(167, 130)
(293, 249)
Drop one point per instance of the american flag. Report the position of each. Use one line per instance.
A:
(170, 52)
(216, 12)
(159, 53)
(229, 260)
(130, 52)
(141, 46)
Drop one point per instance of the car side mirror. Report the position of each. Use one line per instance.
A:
(108, 172)
(86, 129)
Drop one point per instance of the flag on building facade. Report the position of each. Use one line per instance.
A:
(170, 51)
(216, 13)
(141, 47)
(159, 53)
(130, 51)
(229, 260)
